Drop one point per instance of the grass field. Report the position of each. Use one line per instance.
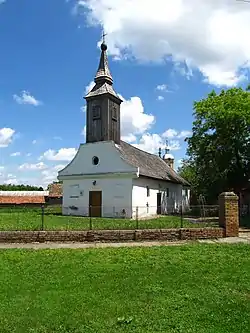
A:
(31, 219)
(188, 289)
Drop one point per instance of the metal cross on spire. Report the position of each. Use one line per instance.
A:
(103, 36)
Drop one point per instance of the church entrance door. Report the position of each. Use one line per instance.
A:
(95, 203)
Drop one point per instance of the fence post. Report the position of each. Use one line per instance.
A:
(90, 218)
(42, 227)
(136, 217)
(181, 216)
(229, 213)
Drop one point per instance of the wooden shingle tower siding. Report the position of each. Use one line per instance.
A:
(103, 105)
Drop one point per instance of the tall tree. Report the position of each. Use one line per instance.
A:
(219, 149)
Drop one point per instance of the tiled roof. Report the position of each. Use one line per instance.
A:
(149, 165)
(55, 190)
(24, 193)
(101, 89)
(18, 200)
(103, 72)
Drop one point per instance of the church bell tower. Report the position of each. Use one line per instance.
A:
(103, 105)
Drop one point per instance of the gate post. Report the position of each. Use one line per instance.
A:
(229, 213)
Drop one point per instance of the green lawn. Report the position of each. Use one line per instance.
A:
(31, 219)
(188, 289)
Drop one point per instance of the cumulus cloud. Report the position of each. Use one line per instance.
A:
(50, 175)
(6, 136)
(211, 36)
(12, 181)
(172, 133)
(152, 142)
(26, 98)
(17, 153)
(134, 121)
(89, 87)
(37, 166)
(63, 154)
(160, 98)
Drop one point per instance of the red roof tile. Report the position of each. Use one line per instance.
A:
(18, 200)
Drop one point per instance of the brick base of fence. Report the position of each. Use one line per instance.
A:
(110, 235)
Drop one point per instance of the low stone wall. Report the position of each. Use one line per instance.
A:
(110, 235)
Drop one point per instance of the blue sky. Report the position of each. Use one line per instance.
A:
(49, 55)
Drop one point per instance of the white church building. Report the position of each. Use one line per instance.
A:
(111, 178)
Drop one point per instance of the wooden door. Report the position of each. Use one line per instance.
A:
(95, 203)
(158, 203)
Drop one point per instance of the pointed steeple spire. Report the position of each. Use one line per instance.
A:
(103, 105)
(103, 73)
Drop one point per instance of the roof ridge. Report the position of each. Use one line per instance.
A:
(145, 152)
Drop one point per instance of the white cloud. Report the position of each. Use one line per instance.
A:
(37, 166)
(160, 98)
(210, 36)
(63, 154)
(163, 88)
(26, 98)
(28, 154)
(34, 142)
(129, 138)
(172, 133)
(6, 136)
(59, 167)
(184, 134)
(134, 121)
(89, 87)
(83, 108)
(1, 167)
(15, 154)
(12, 181)
(152, 142)
(57, 138)
(174, 145)
(50, 175)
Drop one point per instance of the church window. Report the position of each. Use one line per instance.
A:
(96, 112)
(167, 192)
(148, 191)
(114, 112)
(95, 160)
(74, 191)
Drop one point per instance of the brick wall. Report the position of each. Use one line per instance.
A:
(229, 213)
(110, 235)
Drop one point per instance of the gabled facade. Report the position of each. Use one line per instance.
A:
(110, 178)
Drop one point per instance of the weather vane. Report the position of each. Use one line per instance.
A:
(166, 149)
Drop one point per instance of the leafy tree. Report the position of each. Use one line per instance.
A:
(11, 187)
(219, 149)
